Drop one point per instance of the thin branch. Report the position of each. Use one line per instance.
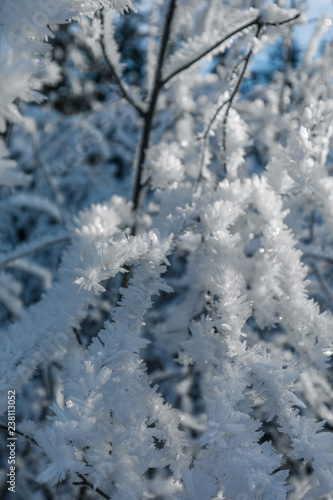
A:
(286, 21)
(77, 336)
(257, 21)
(233, 95)
(211, 123)
(32, 440)
(205, 136)
(318, 257)
(210, 49)
(149, 116)
(121, 85)
(205, 141)
(327, 292)
(147, 128)
(91, 486)
(41, 246)
(122, 88)
(83, 479)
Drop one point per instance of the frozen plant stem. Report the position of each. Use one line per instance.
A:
(258, 22)
(158, 86)
(160, 83)
(41, 246)
(149, 115)
(83, 481)
(210, 49)
(233, 95)
(148, 118)
(121, 86)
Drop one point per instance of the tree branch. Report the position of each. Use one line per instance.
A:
(233, 95)
(37, 248)
(122, 87)
(149, 116)
(286, 21)
(32, 440)
(81, 476)
(120, 84)
(207, 51)
(319, 257)
(160, 83)
(91, 486)
(205, 141)
(147, 128)
(256, 21)
(326, 290)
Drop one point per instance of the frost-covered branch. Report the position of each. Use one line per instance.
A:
(199, 287)
(111, 56)
(85, 482)
(32, 248)
(149, 116)
(187, 65)
(234, 92)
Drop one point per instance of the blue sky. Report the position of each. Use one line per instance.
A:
(316, 9)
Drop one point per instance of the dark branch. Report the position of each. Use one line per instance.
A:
(36, 249)
(233, 95)
(32, 440)
(210, 49)
(160, 83)
(149, 116)
(91, 486)
(286, 21)
(324, 287)
(120, 84)
(83, 479)
(315, 257)
(147, 128)
(256, 21)
(205, 141)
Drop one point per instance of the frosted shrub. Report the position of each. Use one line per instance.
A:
(181, 348)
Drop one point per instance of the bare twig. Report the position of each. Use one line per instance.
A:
(77, 336)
